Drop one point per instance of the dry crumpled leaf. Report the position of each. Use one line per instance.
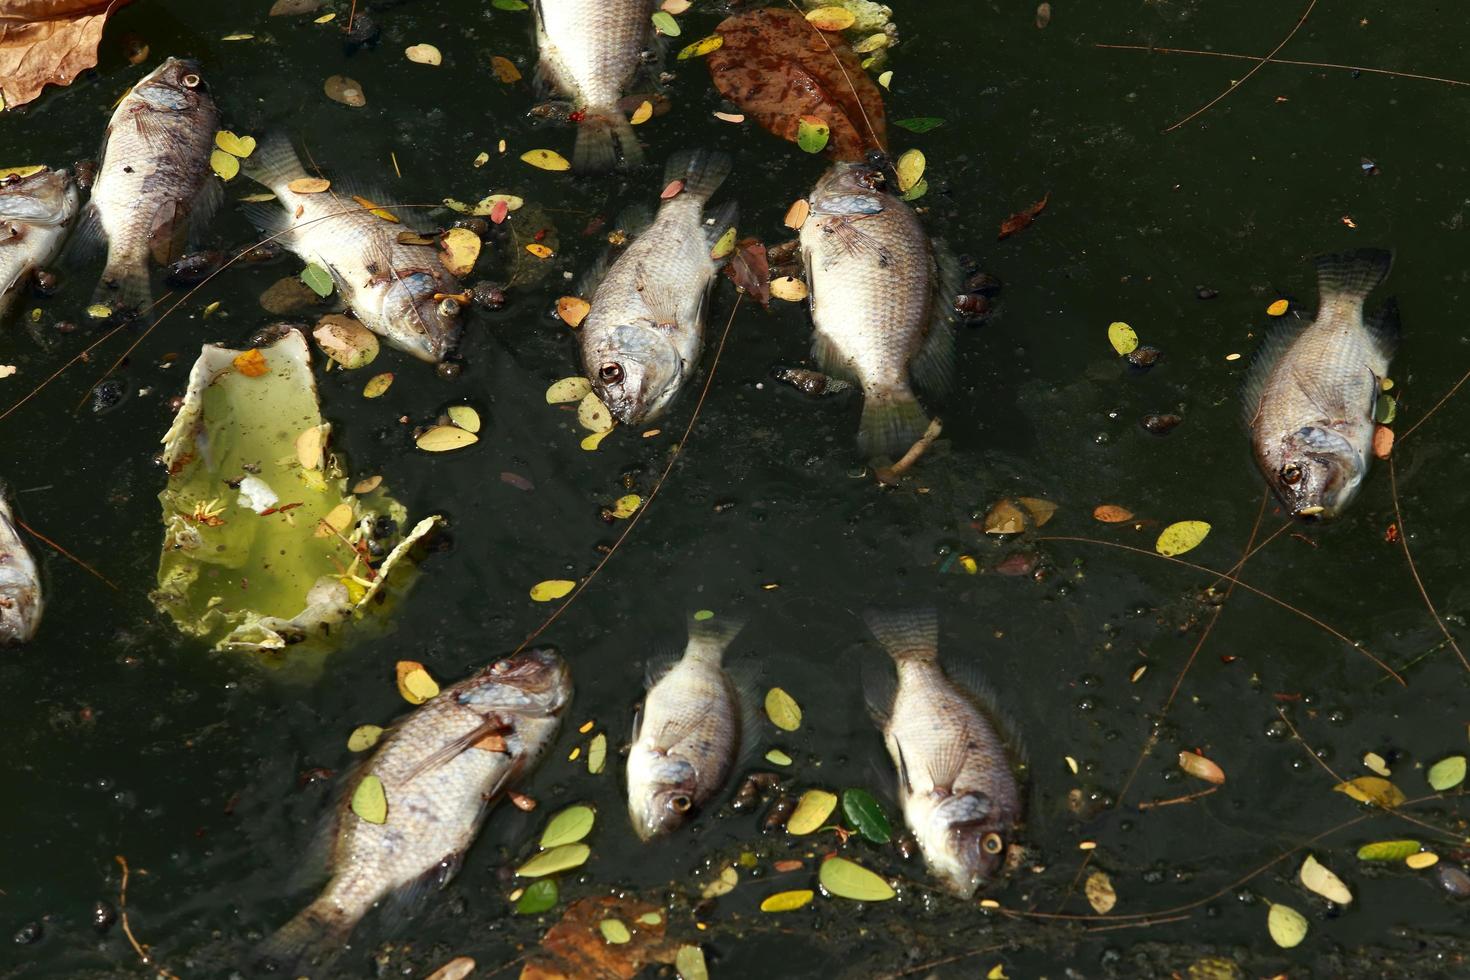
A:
(47, 42)
(1099, 891)
(778, 68)
(576, 949)
(749, 270)
(1023, 219)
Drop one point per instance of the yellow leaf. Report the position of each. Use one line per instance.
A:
(458, 250)
(626, 507)
(1372, 789)
(363, 737)
(338, 519)
(377, 211)
(346, 341)
(251, 363)
(568, 390)
(702, 47)
(1099, 892)
(1180, 537)
(237, 37)
(310, 447)
(812, 810)
(369, 801)
(789, 288)
(423, 54)
(369, 485)
(783, 710)
(642, 114)
(414, 682)
(590, 443)
(1422, 860)
(1122, 337)
(552, 589)
(20, 171)
(1277, 308)
(725, 245)
(225, 166)
(504, 69)
(593, 414)
(1040, 510)
(308, 185)
(885, 78)
(597, 754)
(325, 19)
(377, 384)
(1319, 879)
(573, 310)
(546, 160)
(831, 18)
(464, 417)
(871, 43)
(1287, 926)
(240, 146)
(1005, 518)
(539, 250)
(443, 438)
(787, 901)
(910, 168)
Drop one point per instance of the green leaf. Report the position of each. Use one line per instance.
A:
(919, 124)
(689, 961)
(866, 815)
(920, 188)
(812, 133)
(847, 879)
(1386, 409)
(319, 279)
(1447, 773)
(700, 615)
(539, 896)
(509, 5)
(363, 737)
(778, 758)
(369, 801)
(666, 24)
(555, 859)
(615, 931)
(568, 826)
(1388, 850)
(1180, 537)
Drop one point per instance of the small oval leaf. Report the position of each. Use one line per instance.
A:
(568, 390)
(1447, 773)
(414, 682)
(555, 859)
(363, 737)
(539, 896)
(812, 810)
(546, 160)
(787, 901)
(568, 826)
(1287, 926)
(847, 879)
(1180, 537)
(1388, 850)
(552, 589)
(783, 710)
(1122, 337)
(369, 801)
(443, 438)
(866, 816)
(1319, 879)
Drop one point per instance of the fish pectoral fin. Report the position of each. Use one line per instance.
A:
(944, 765)
(903, 766)
(490, 725)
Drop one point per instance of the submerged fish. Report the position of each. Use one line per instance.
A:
(642, 338)
(34, 214)
(154, 189)
(400, 292)
(687, 734)
(1311, 393)
(875, 301)
(590, 50)
(439, 780)
(20, 583)
(955, 783)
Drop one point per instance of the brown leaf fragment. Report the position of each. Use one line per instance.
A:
(749, 271)
(1022, 219)
(47, 42)
(575, 949)
(1005, 518)
(1201, 768)
(1112, 514)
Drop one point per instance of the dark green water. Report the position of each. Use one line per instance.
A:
(123, 738)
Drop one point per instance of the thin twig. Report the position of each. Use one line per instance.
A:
(1398, 516)
(890, 474)
(1254, 68)
(66, 554)
(122, 905)
(933, 964)
(1282, 61)
(1174, 800)
(1437, 405)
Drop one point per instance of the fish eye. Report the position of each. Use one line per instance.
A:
(681, 803)
(611, 372)
(191, 80)
(992, 844)
(1291, 474)
(448, 307)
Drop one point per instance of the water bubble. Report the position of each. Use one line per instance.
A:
(1277, 729)
(29, 933)
(1086, 704)
(1338, 716)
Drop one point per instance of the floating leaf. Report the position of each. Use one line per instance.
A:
(458, 250)
(573, 310)
(1372, 789)
(724, 246)
(778, 758)
(444, 438)
(797, 214)
(1022, 219)
(19, 172)
(847, 879)
(1040, 510)
(568, 390)
(787, 901)
(812, 133)
(1422, 860)
(346, 341)
(1382, 441)
(551, 589)
(509, 4)
(597, 754)
(369, 801)
(723, 885)
(1319, 879)
(920, 188)
(831, 18)
(812, 810)
(423, 54)
(414, 682)
(871, 43)
(1122, 337)
(309, 185)
(1388, 850)
(689, 961)
(614, 931)
(348, 91)
(317, 279)
(554, 859)
(919, 124)
(664, 23)
(367, 486)
(539, 250)
(568, 826)
(456, 969)
(866, 816)
(642, 114)
(1278, 308)
(546, 160)
(363, 737)
(251, 363)
(593, 414)
(504, 69)
(539, 896)
(789, 288)
(1287, 926)
(1005, 518)
(701, 47)
(224, 165)
(377, 384)
(783, 710)
(1112, 513)
(1201, 768)
(465, 417)
(311, 447)
(626, 506)
(1447, 773)
(1385, 409)
(909, 168)
(591, 442)
(1180, 537)
(1099, 891)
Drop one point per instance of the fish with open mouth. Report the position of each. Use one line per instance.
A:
(35, 212)
(1313, 387)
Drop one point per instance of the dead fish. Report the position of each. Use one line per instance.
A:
(590, 50)
(20, 583)
(642, 339)
(955, 783)
(154, 190)
(880, 315)
(1312, 390)
(400, 292)
(35, 212)
(687, 734)
(439, 783)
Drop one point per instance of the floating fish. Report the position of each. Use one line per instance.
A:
(35, 212)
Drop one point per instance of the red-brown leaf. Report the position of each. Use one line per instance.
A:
(574, 948)
(1023, 219)
(749, 270)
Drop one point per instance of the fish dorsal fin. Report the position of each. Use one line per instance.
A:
(664, 658)
(1278, 341)
(1383, 326)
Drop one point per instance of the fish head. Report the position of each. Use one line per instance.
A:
(534, 681)
(421, 319)
(1314, 472)
(177, 85)
(661, 793)
(47, 197)
(636, 372)
(854, 187)
(964, 841)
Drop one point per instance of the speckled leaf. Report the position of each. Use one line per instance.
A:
(1287, 926)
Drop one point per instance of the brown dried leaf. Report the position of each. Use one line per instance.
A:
(574, 948)
(749, 270)
(1023, 219)
(47, 42)
(1112, 513)
(778, 68)
(1201, 768)
(1005, 518)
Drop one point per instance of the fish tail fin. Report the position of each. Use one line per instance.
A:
(907, 634)
(274, 162)
(893, 420)
(315, 935)
(702, 171)
(601, 136)
(709, 637)
(124, 286)
(1352, 275)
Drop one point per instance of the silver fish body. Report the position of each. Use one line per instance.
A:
(956, 786)
(643, 336)
(390, 287)
(687, 734)
(154, 189)
(879, 321)
(1311, 393)
(590, 51)
(35, 213)
(439, 785)
(20, 583)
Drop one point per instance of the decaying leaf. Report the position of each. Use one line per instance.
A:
(1382, 441)
(1112, 513)
(1039, 510)
(346, 341)
(1372, 789)
(593, 414)
(546, 160)
(47, 42)
(1180, 537)
(582, 946)
(572, 389)
(504, 69)
(776, 67)
(458, 250)
(456, 969)
(788, 288)
(812, 810)
(1099, 891)
(340, 88)
(444, 438)
(1005, 518)
(363, 737)
(1022, 219)
(414, 683)
(1319, 879)
(573, 310)
(750, 271)
(423, 54)
(1122, 337)
(1201, 768)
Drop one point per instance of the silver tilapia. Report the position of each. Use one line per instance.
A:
(590, 50)
(154, 190)
(439, 784)
(686, 735)
(642, 339)
(1310, 395)
(400, 292)
(35, 212)
(20, 583)
(876, 302)
(955, 782)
